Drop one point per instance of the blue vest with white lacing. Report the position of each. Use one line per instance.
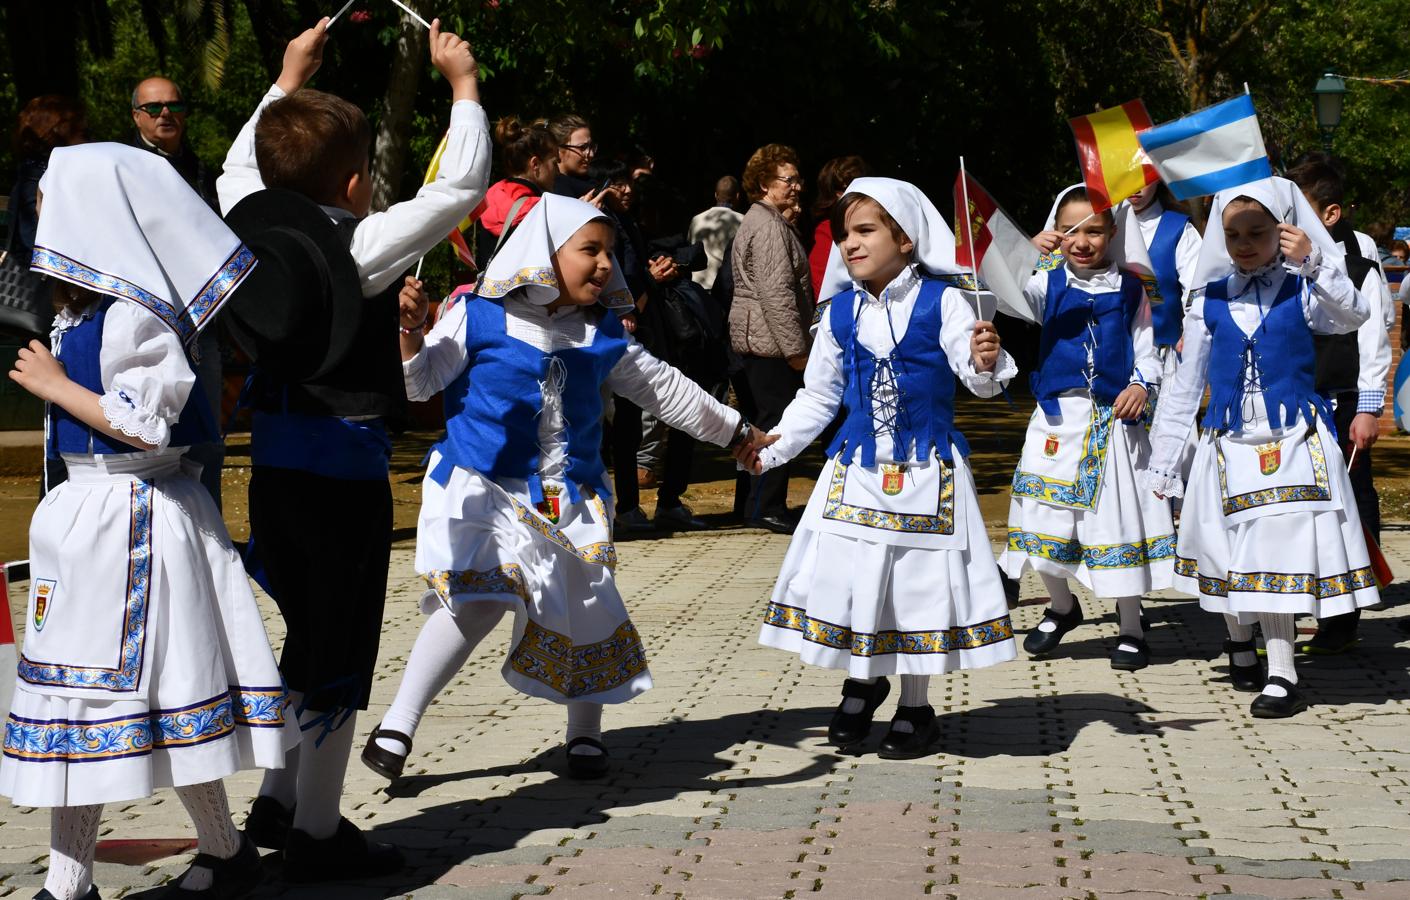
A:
(1167, 316)
(920, 417)
(492, 407)
(1278, 360)
(1086, 341)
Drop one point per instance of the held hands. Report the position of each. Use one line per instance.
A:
(37, 371)
(984, 346)
(747, 451)
(1365, 428)
(451, 56)
(1130, 403)
(1294, 243)
(302, 57)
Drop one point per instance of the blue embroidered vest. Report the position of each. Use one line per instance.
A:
(79, 351)
(925, 384)
(492, 408)
(1168, 315)
(1281, 351)
(1062, 348)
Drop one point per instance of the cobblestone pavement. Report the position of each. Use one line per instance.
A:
(1055, 779)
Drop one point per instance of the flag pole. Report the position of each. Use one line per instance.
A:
(1090, 216)
(411, 12)
(969, 238)
(337, 14)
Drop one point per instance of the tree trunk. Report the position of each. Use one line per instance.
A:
(269, 20)
(394, 126)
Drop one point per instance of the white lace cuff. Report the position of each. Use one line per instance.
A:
(770, 459)
(1309, 266)
(134, 421)
(988, 384)
(1166, 484)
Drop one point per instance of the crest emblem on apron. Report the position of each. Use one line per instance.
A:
(1270, 457)
(43, 599)
(550, 507)
(893, 479)
(1050, 446)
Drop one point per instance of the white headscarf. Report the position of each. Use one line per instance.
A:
(1128, 251)
(525, 262)
(919, 219)
(1285, 201)
(121, 221)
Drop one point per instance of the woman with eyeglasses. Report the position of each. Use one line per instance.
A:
(576, 151)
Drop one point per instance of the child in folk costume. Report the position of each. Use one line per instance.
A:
(145, 663)
(515, 507)
(1173, 243)
(890, 572)
(1076, 510)
(1269, 528)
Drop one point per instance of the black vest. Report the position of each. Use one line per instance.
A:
(1338, 355)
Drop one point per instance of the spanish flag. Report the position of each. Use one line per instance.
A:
(457, 234)
(1113, 164)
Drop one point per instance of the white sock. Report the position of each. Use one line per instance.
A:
(915, 691)
(444, 644)
(282, 785)
(209, 809)
(1239, 633)
(1060, 600)
(1128, 611)
(853, 705)
(1279, 630)
(584, 720)
(322, 767)
(73, 836)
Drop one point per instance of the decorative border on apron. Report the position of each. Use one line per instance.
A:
(1082, 493)
(577, 670)
(943, 522)
(127, 674)
(122, 737)
(1295, 493)
(868, 644)
(1096, 557)
(506, 579)
(603, 553)
(1278, 582)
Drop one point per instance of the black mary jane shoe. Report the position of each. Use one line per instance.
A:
(91, 895)
(1130, 660)
(231, 878)
(267, 824)
(1244, 678)
(911, 744)
(1266, 706)
(345, 856)
(846, 728)
(381, 760)
(1041, 643)
(586, 765)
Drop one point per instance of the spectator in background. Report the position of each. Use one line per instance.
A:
(528, 155)
(576, 151)
(1381, 234)
(715, 228)
(771, 312)
(833, 179)
(1399, 253)
(45, 123)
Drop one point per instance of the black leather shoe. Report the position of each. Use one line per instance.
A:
(587, 765)
(776, 524)
(1011, 589)
(267, 824)
(1266, 706)
(232, 878)
(847, 729)
(678, 518)
(1130, 660)
(1039, 642)
(91, 895)
(1335, 635)
(381, 760)
(346, 856)
(911, 744)
(1244, 678)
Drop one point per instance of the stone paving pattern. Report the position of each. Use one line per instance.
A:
(1054, 779)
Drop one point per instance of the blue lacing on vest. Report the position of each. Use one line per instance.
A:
(1086, 341)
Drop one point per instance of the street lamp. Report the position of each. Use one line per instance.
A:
(1328, 94)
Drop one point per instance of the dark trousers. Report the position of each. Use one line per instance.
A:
(773, 383)
(676, 468)
(1363, 488)
(626, 441)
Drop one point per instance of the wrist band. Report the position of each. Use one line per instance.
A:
(417, 329)
(741, 431)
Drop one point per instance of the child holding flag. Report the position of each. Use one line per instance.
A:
(1269, 528)
(1173, 243)
(889, 572)
(1076, 510)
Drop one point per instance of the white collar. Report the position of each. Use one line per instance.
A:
(898, 290)
(1152, 211)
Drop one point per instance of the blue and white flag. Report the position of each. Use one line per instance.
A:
(1205, 152)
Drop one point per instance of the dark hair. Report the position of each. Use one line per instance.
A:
(1080, 194)
(764, 165)
(833, 179)
(1245, 200)
(1399, 245)
(310, 142)
(1381, 232)
(563, 126)
(1320, 178)
(49, 121)
(613, 170)
(837, 219)
(519, 142)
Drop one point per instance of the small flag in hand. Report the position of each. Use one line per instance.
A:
(1207, 151)
(1113, 165)
(995, 249)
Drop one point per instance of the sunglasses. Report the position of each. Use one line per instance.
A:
(176, 107)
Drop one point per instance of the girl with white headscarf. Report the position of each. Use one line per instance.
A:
(1269, 527)
(145, 662)
(1076, 511)
(515, 506)
(890, 570)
